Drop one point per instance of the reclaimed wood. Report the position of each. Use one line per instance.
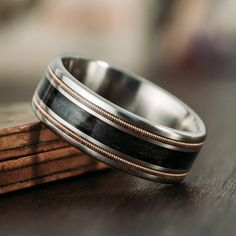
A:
(60, 174)
(32, 149)
(42, 169)
(31, 154)
(26, 138)
(38, 158)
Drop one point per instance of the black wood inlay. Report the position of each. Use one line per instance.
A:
(109, 135)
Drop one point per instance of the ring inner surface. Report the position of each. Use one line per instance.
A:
(132, 93)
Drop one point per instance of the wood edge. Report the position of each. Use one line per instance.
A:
(50, 178)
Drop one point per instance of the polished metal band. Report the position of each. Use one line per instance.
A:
(119, 118)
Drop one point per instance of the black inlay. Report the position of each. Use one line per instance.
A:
(109, 135)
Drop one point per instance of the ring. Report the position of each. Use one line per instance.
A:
(119, 118)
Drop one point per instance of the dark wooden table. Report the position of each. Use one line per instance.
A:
(113, 203)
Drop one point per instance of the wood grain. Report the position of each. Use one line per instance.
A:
(35, 159)
(51, 176)
(46, 168)
(32, 149)
(19, 128)
(31, 154)
(26, 138)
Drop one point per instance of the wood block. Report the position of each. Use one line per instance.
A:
(31, 154)
(32, 149)
(19, 127)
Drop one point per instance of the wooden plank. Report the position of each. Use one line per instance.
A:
(31, 154)
(17, 117)
(44, 168)
(19, 127)
(53, 176)
(32, 149)
(26, 138)
(35, 159)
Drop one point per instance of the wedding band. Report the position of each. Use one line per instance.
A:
(119, 118)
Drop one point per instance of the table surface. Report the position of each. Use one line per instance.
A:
(114, 203)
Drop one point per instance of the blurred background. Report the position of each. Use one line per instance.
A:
(167, 41)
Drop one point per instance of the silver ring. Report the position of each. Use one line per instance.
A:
(119, 118)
